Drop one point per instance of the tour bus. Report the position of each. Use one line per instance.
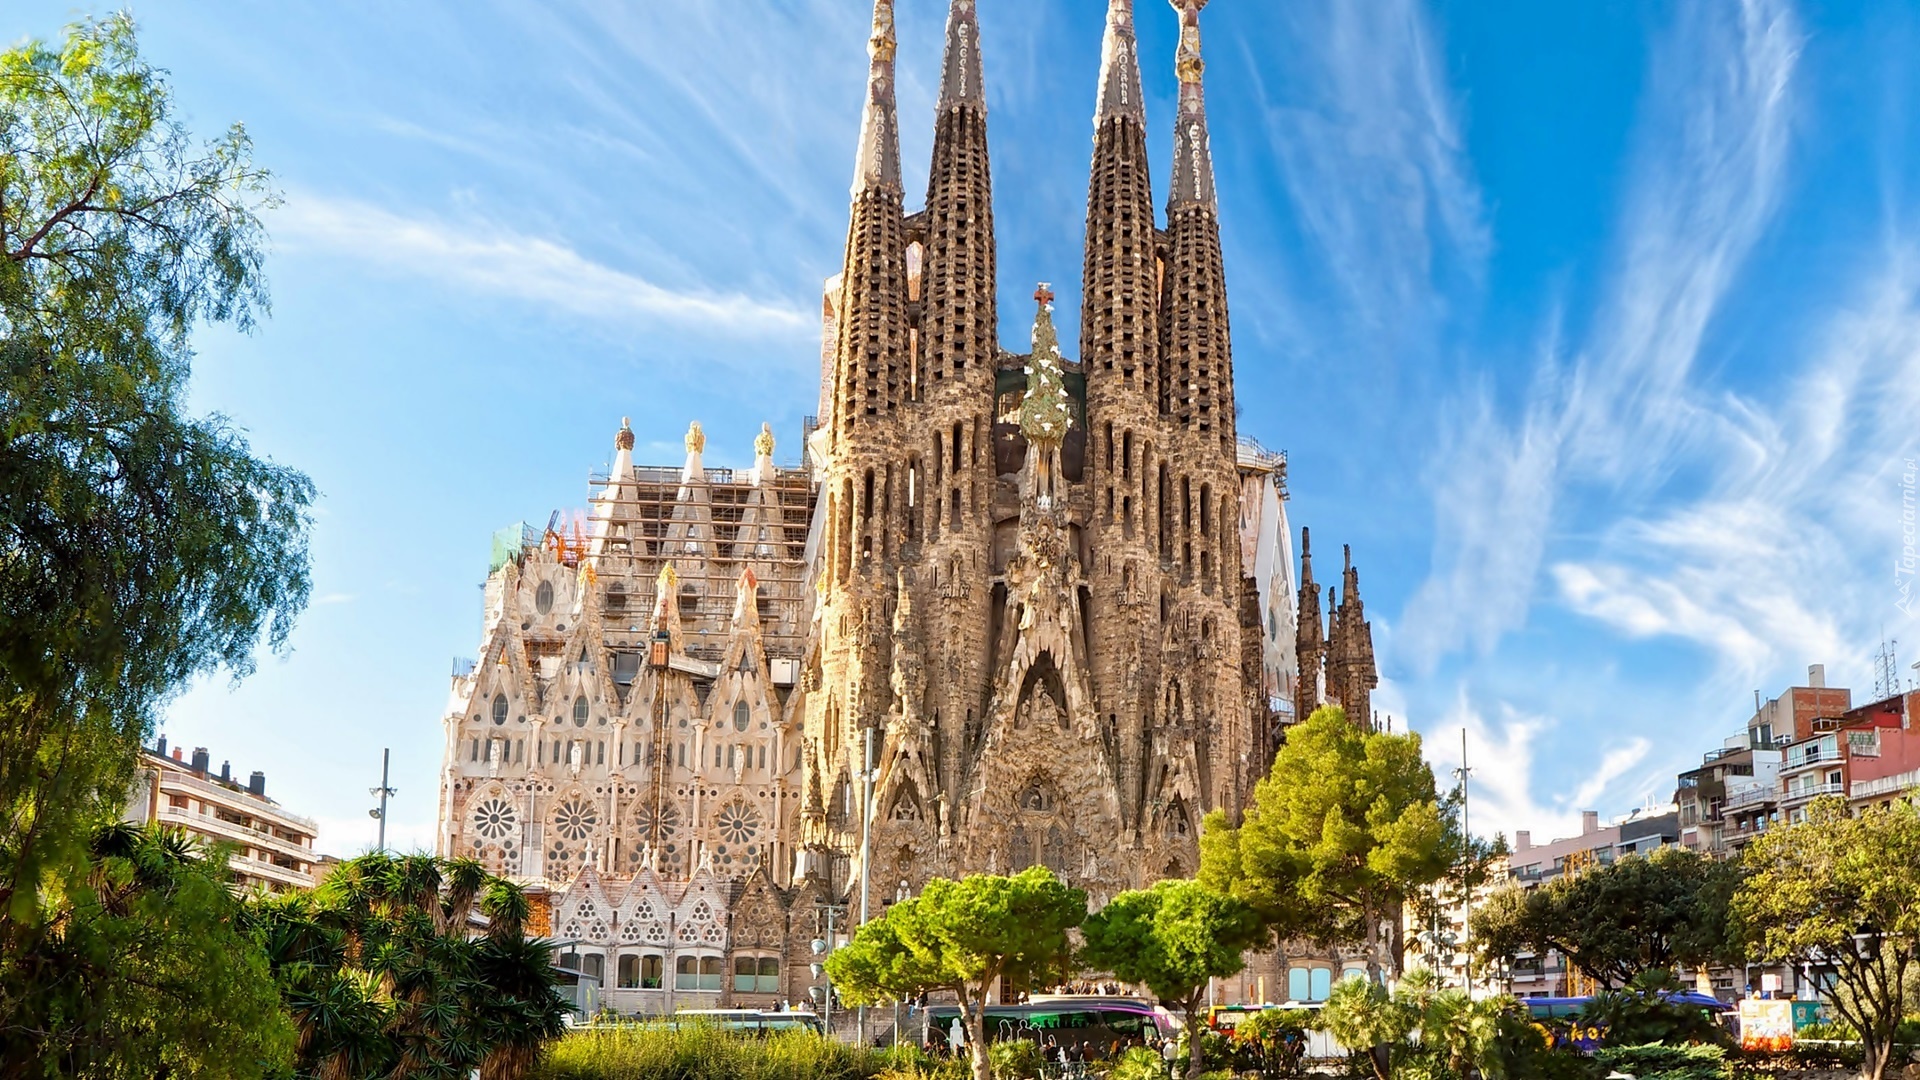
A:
(756, 1022)
(1094, 1027)
(1567, 1011)
(1318, 1044)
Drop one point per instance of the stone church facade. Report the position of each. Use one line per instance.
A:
(1043, 608)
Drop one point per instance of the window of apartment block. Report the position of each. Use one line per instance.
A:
(177, 802)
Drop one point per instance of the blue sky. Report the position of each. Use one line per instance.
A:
(1595, 328)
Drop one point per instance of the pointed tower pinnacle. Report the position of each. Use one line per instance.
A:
(960, 80)
(1309, 642)
(958, 325)
(1353, 664)
(1192, 155)
(1120, 93)
(877, 165)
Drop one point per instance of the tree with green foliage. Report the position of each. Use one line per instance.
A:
(1173, 939)
(1344, 829)
(1361, 1015)
(960, 937)
(1846, 890)
(383, 977)
(143, 971)
(1643, 913)
(139, 546)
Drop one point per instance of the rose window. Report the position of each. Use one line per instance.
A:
(738, 822)
(667, 822)
(494, 819)
(575, 819)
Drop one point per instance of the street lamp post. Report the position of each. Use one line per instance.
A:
(380, 813)
(821, 948)
(867, 774)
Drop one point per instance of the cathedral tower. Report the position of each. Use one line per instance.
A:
(866, 480)
(1029, 594)
(954, 471)
(1119, 316)
(1199, 478)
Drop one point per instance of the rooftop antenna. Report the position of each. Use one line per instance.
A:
(1886, 669)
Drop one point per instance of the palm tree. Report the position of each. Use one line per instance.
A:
(466, 879)
(383, 981)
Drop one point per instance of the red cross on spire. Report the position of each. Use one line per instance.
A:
(1043, 294)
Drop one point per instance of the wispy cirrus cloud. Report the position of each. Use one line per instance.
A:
(1773, 563)
(1365, 139)
(494, 260)
(1620, 414)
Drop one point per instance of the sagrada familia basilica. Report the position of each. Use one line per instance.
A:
(1012, 607)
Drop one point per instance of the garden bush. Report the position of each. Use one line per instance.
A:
(703, 1052)
(1653, 1061)
(1016, 1059)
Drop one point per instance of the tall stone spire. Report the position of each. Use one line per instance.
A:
(1120, 93)
(877, 164)
(959, 323)
(1309, 642)
(1119, 352)
(1197, 354)
(1192, 155)
(1352, 661)
(1118, 285)
(872, 354)
(960, 82)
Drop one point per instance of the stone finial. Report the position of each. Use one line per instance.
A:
(669, 579)
(763, 442)
(1192, 150)
(623, 439)
(960, 78)
(1120, 93)
(1187, 63)
(696, 439)
(877, 162)
(882, 45)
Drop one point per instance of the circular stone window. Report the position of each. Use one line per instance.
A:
(738, 822)
(494, 819)
(575, 819)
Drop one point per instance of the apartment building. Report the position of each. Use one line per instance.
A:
(1731, 797)
(1790, 717)
(271, 847)
(1532, 865)
(1892, 769)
